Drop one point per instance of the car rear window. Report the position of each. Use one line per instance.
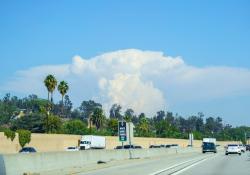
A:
(71, 147)
(233, 145)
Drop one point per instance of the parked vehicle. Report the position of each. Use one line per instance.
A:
(92, 142)
(72, 148)
(233, 149)
(209, 145)
(27, 150)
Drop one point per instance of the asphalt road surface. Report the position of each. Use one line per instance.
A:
(181, 164)
(221, 165)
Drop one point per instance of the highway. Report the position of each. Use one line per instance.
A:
(180, 164)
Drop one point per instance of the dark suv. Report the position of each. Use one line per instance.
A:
(208, 147)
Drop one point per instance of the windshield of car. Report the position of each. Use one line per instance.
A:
(85, 142)
(71, 147)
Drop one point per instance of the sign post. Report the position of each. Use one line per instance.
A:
(191, 138)
(122, 131)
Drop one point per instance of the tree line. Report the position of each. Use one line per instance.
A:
(45, 116)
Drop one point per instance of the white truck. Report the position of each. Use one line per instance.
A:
(209, 145)
(92, 142)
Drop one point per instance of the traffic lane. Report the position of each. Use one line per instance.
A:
(222, 165)
(147, 166)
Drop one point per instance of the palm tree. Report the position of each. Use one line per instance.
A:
(63, 89)
(50, 83)
(98, 118)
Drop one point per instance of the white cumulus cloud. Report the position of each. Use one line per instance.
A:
(145, 81)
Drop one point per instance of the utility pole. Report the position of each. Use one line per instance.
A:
(129, 134)
(122, 141)
(245, 138)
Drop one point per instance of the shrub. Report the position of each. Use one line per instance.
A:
(24, 137)
(9, 134)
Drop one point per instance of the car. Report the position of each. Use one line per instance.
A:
(167, 146)
(155, 146)
(137, 147)
(27, 150)
(243, 148)
(128, 147)
(208, 147)
(72, 148)
(118, 147)
(247, 147)
(233, 149)
(174, 146)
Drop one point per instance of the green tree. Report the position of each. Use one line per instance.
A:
(115, 111)
(10, 134)
(98, 118)
(142, 129)
(50, 82)
(54, 124)
(112, 126)
(74, 127)
(63, 89)
(7, 109)
(88, 107)
(24, 137)
(34, 122)
(128, 115)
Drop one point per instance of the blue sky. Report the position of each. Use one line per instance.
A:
(204, 33)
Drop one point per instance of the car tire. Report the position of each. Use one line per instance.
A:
(239, 154)
(226, 154)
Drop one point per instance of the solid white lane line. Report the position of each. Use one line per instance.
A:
(188, 167)
(173, 166)
(192, 165)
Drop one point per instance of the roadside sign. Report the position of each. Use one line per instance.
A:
(122, 131)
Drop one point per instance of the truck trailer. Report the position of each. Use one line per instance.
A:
(92, 142)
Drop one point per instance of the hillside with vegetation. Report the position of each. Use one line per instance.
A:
(46, 116)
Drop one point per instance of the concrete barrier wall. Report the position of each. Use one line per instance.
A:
(17, 164)
(59, 142)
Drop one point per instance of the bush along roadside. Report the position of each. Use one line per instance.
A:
(24, 136)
